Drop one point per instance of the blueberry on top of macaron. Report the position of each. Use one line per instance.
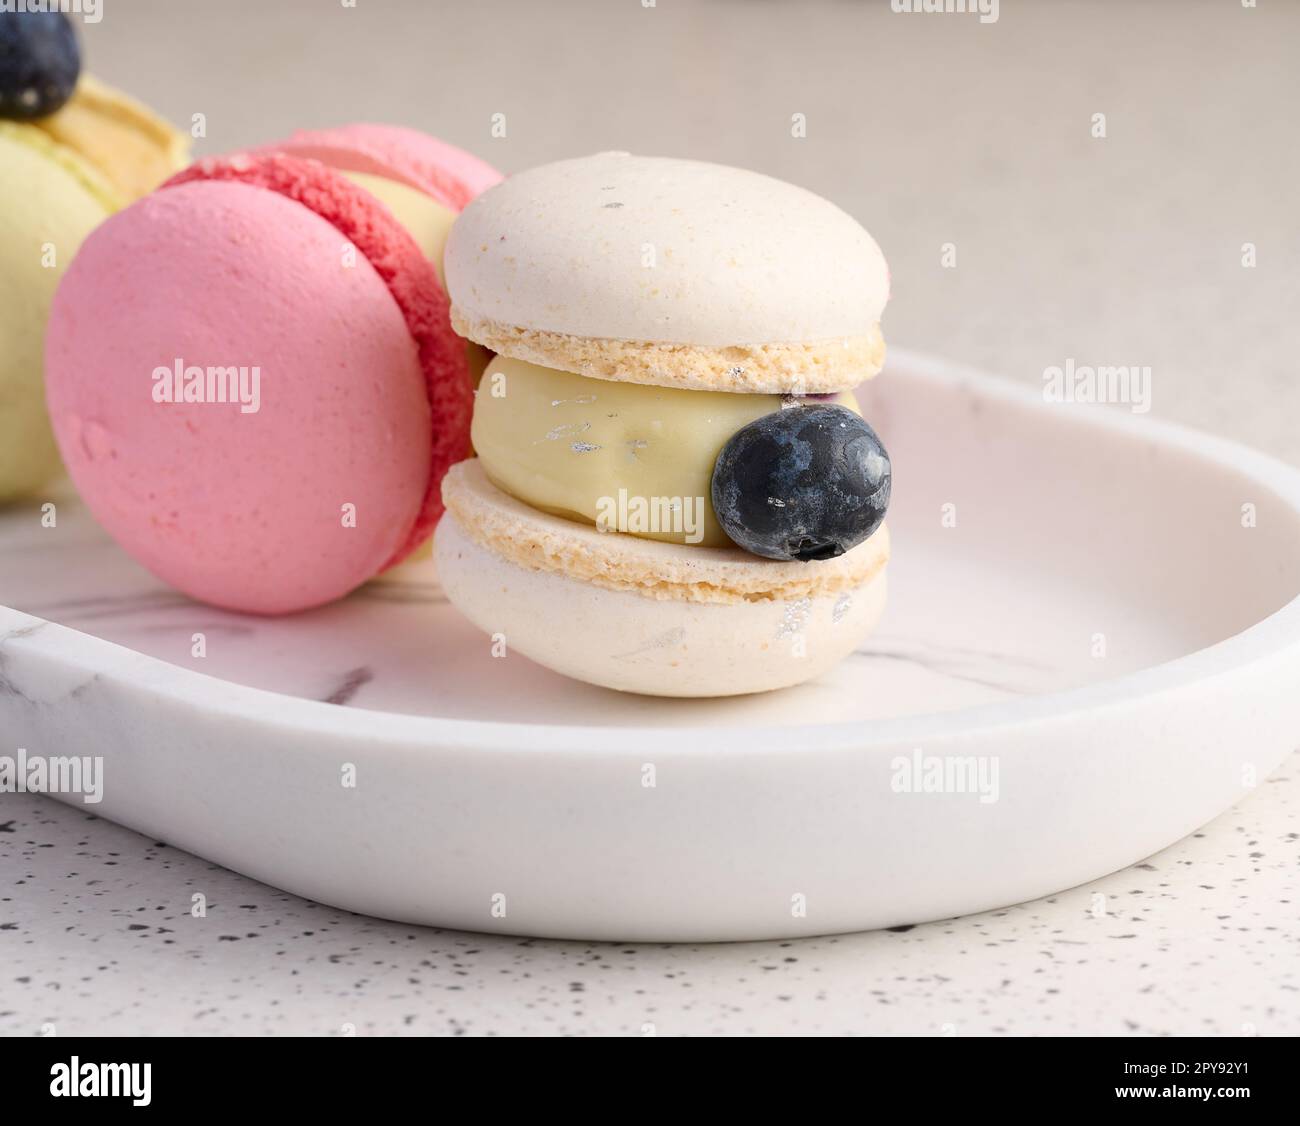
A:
(807, 482)
(40, 63)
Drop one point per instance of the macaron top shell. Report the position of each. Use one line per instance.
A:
(449, 175)
(650, 249)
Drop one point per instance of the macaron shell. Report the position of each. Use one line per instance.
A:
(678, 252)
(245, 510)
(364, 222)
(130, 145)
(450, 175)
(619, 638)
(51, 203)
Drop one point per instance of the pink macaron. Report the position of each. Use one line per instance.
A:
(450, 175)
(252, 374)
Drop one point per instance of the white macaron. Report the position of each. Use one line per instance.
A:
(648, 313)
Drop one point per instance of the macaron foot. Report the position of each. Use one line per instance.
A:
(802, 368)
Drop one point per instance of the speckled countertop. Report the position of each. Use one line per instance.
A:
(96, 936)
(1122, 251)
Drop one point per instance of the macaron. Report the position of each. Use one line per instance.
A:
(72, 151)
(134, 148)
(675, 491)
(53, 200)
(252, 374)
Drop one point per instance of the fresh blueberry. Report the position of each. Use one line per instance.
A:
(806, 482)
(39, 63)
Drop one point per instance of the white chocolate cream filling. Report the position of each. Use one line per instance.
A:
(625, 457)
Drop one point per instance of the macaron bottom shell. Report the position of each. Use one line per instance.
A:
(656, 647)
(645, 616)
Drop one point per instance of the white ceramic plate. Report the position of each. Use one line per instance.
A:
(1100, 626)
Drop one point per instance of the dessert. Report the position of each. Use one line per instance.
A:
(264, 420)
(72, 151)
(134, 148)
(675, 492)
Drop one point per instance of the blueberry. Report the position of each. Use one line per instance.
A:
(39, 63)
(806, 482)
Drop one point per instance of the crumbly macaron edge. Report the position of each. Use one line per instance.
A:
(807, 368)
(538, 541)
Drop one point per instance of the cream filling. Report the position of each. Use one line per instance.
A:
(429, 223)
(625, 457)
(427, 220)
